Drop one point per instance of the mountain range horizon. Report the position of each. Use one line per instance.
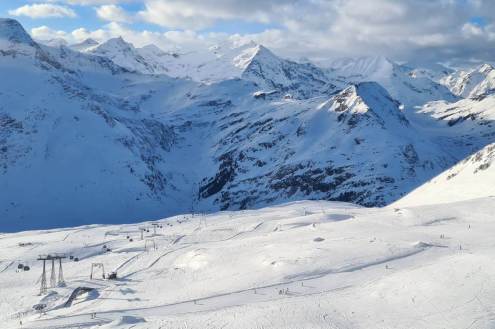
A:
(134, 133)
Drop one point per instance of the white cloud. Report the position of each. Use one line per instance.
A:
(405, 29)
(472, 30)
(199, 14)
(43, 10)
(46, 33)
(113, 13)
(92, 2)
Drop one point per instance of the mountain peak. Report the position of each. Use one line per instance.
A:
(118, 42)
(366, 89)
(11, 31)
(113, 46)
(153, 49)
(252, 54)
(90, 42)
(261, 50)
(368, 98)
(85, 45)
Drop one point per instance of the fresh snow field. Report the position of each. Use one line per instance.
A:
(309, 264)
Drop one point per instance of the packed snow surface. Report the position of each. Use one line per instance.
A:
(299, 265)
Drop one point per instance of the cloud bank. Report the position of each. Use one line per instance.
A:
(319, 29)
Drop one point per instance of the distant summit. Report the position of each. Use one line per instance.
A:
(85, 45)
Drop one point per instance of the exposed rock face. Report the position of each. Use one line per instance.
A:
(323, 151)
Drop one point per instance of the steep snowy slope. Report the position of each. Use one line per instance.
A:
(471, 178)
(72, 149)
(410, 89)
(475, 83)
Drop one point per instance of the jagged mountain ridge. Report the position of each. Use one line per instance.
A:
(249, 61)
(258, 64)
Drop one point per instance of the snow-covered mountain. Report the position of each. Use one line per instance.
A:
(400, 81)
(248, 61)
(354, 146)
(124, 54)
(431, 70)
(14, 40)
(73, 145)
(475, 83)
(256, 63)
(270, 72)
(104, 136)
(471, 178)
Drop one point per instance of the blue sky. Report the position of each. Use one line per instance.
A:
(311, 28)
(87, 18)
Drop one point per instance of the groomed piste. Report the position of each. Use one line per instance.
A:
(300, 265)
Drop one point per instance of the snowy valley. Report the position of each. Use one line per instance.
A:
(123, 133)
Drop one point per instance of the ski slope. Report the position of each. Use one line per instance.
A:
(309, 264)
(469, 179)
